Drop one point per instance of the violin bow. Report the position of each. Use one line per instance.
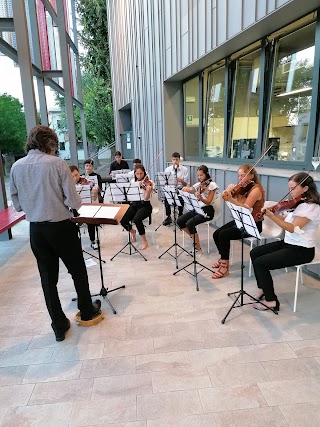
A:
(255, 164)
(154, 161)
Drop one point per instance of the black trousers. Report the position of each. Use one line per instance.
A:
(49, 242)
(92, 232)
(137, 212)
(274, 256)
(168, 207)
(190, 221)
(223, 236)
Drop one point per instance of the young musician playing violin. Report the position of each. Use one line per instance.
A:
(205, 191)
(95, 199)
(138, 211)
(249, 194)
(298, 246)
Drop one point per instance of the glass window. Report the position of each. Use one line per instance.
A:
(214, 129)
(291, 96)
(246, 107)
(191, 122)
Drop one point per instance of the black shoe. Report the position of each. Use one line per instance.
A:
(61, 333)
(96, 306)
(167, 221)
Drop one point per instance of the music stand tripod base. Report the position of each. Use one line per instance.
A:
(94, 321)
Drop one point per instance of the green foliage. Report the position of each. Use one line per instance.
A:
(96, 76)
(13, 132)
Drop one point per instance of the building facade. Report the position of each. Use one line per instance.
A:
(219, 81)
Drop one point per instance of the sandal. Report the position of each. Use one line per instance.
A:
(222, 271)
(257, 298)
(217, 264)
(262, 307)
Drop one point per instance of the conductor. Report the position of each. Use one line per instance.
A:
(41, 185)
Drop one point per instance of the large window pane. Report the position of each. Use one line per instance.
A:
(191, 122)
(291, 97)
(214, 130)
(246, 107)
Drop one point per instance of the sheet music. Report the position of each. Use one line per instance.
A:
(96, 211)
(192, 203)
(126, 192)
(121, 171)
(244, 219)
(163, 178)
(171, 195)
(123, 177)
(93, 179)
(84, 190)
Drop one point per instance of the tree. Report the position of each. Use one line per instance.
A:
(96, 75)
(13, 131)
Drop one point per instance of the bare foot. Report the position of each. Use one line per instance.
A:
(143, 246)
(133, 235)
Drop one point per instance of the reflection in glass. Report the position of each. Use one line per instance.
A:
(214, 130)
(246, 107)
(315, 162)
(291, 98)
(191, 122)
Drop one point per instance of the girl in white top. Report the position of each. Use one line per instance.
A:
(205, 190)
(298, 246)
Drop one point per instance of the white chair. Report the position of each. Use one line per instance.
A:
(315, 261)
(217, 216)
(270, 230)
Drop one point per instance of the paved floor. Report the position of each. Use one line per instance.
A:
(165, 359)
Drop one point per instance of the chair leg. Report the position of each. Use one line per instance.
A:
(208, 225)
(296, 289)
(183, 239)
(250, 263)
(231, 252)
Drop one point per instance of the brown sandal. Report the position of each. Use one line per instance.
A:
(222, 271)
(217, 264)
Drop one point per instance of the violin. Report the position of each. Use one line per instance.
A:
(283, 206)
(146, 182)
(202, 185)
(242, 188)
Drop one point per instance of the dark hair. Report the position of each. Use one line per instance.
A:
(246, 167)
(73, 168)
(117, 153)
(135, 161)
(175, 154)
(304, 179)
(42, 138)
(88, 162)
(139, 166)
(205, 170)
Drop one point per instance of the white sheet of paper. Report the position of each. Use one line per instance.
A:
(88, 211)
(107, 212)
(89, 262)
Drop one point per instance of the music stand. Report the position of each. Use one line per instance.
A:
(85, 192)
(123, 177)
(163, 179)
(102, 213)
(172, 198)
(246, 224)
(127, 192)
(191, 203)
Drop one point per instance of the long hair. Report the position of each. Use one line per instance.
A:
(246, 167)
(139, 166)
(42, 138)
(205, 170)
(304, 179)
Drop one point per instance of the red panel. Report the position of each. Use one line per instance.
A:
(10, 217)
(43, 36)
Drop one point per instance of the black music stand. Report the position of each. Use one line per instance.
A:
(172, 198)
(126, 192)
(246, 224)
(85, 192)
(163, 179)
(93, 214)
(191, 203)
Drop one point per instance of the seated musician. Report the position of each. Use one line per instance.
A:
(118, 164)
(135, 163)
(205, 191)
(140, 210)
(95, 199)
(298, 246)
(249, 194)
(89, 165)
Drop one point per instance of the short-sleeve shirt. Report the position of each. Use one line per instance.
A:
(307, 238)
(182, 172)
(211, 187)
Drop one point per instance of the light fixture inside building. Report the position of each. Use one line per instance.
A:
(294, 92)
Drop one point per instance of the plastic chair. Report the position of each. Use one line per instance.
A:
(316, 260)
(270, 230)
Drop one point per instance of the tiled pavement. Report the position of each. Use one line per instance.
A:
(165, 359)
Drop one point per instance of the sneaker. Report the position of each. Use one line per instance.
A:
(94, 245)
(167, 221)
(61, 333)
(96, 306)
(198, 251)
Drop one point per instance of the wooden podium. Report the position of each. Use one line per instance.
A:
(97, 214)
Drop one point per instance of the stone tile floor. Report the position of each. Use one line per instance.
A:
(165, 359)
